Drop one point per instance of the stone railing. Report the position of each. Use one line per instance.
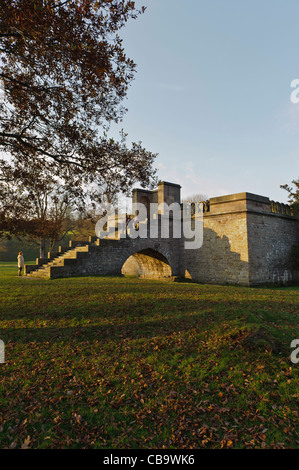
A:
(205, 206)
(280, 208)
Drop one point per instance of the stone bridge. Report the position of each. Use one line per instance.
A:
(247, 240)
(153, 258)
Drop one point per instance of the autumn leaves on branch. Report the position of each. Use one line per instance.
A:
(64, 75)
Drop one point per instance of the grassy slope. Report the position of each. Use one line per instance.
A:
(126, 363)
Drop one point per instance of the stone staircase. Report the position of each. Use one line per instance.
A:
(65, 257)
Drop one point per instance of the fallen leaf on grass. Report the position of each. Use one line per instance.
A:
(26, 443)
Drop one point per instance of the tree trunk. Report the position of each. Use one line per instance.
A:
(52, 246)
(42, 248)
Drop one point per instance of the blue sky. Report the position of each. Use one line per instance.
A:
(212, 93)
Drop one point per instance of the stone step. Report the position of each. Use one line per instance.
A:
(78, 243)
(71, 254)
(82, 248)
(40, 273)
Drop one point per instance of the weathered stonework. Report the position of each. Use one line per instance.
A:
(247, 240)
(244, 243)
(271, 239)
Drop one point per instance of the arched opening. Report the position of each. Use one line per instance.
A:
(147, 264)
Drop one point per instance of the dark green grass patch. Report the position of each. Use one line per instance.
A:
(127, 363)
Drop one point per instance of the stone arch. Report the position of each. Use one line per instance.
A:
(147, 263)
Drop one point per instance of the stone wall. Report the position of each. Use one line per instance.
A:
(223, 257)
(271, 246)
(244, 243)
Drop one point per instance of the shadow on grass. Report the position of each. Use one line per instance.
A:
(127, 330)
(232, 334)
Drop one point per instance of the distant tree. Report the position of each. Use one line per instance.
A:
(39, 206)
(195, 198)
(34, 206)
(9, 249)
(293, 195)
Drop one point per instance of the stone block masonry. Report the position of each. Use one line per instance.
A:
(245, 243)
(223, 257)
(247, 240)
(271, 241)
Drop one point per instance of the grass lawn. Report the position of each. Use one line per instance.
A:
(127, 363)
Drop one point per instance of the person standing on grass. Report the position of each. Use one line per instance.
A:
(21, 263)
